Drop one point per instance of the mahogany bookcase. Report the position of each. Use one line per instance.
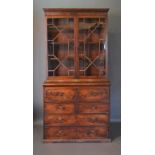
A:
(77, 89)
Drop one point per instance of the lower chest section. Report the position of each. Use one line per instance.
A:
(76, 113)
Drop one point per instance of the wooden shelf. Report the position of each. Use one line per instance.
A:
(80, 41)
(82, 26)
(59, 43)
(92, 42)
(66, 57)
(66, 26)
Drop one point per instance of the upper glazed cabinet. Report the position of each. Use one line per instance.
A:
(77, 43)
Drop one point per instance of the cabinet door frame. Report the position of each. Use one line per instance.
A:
(105, 35)
(76, 18)
(46, 25)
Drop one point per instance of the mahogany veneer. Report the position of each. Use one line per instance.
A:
(77, 89)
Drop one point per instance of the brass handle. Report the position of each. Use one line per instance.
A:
(93, 107)
(92, 119)
(91, 132)
(60, 119)
(60, 106)
(60, 133)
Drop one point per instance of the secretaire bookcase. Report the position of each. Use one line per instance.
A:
(76, 91)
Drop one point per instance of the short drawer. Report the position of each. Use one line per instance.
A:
(92, 119)
(60, 133)
(59, 94)
(92, 132)
(60, 108)
(94, 94)
(93, 108)
(59, 120)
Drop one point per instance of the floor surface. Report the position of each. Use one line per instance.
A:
(113, 148)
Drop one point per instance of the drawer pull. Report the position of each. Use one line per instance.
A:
(94, 107)
(60, 107)
(60, 119)
(60, 133)
(91, 133)
(92, 119)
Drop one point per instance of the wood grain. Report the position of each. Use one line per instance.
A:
(92, 132)
(93, 94)
(59, 108)
(59, 94)
(76, 98)
(60, 133)
(59, 120)
(92, 119)
(93, 107)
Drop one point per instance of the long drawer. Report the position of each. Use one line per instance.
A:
(78, 119)
(76, 94)
(75, 132)
(69, 108)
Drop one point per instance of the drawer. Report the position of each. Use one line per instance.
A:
(94, 94)
(92, 132)
(59, 94)
(60, 133)
(79, 119)
(92, 119)
(52, 108)
(93, 108)
(59, 120)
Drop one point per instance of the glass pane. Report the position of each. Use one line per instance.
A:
(91, 46)
(60, 44)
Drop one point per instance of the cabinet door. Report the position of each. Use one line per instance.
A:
(92, 40)
(60, 46)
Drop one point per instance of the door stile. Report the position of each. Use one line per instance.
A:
(76, 47)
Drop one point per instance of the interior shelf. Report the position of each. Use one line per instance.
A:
(80, 41)
(57, 43)
(82, 26)
(76, 47)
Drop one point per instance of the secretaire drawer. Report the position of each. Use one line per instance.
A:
(92, 119)
(59, 120)
(94, 94)
(59, 108)
(60, 133)
(92, 132)
(93, 108)
(59, 94)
